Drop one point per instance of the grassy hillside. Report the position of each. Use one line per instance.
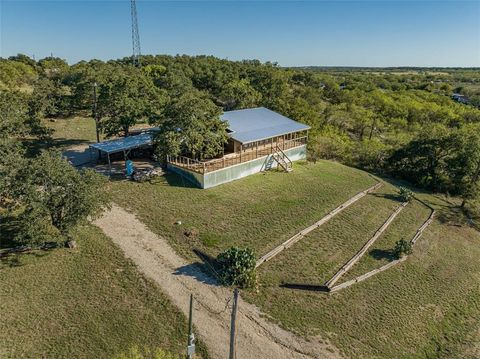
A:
(89, 302)
(260, 211)
(424, 308)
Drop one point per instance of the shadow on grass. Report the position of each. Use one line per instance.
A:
(175, 180)
(34, 146)
(204, 271)
(380, 254)
(389, 196)
(306, 287)
(13, 260)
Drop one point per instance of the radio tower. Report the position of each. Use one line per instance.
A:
(135, 35)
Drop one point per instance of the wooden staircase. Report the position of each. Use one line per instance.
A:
(282, 159)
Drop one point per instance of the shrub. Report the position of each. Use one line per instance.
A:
(402, 248)
(237, 267)
(405, 194)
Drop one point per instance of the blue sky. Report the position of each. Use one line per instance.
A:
(325, 33)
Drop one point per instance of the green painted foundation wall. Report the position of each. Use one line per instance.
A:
(235, 172)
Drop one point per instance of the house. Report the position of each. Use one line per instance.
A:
(259, 139)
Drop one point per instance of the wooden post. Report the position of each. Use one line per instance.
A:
(232, 324)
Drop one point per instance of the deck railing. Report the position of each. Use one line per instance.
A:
(203, 167)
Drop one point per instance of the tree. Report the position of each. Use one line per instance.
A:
(239, 94)
(425, 159)
(464, 166)
(126, 99)
(53, 67)
(56, 197)
(15, 125)
(191, 126)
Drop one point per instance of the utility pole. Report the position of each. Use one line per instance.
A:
(191, 336)
(95, 112)
(233, 324)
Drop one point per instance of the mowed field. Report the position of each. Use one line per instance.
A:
(427, 307)
(88, 302)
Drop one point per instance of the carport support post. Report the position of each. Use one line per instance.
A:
(109, 164)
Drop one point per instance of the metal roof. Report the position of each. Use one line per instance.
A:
(256, 124)
(124, 144)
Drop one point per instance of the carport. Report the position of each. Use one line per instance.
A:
(125, 145)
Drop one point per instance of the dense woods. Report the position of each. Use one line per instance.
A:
(398, 122)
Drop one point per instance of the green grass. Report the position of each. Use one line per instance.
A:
(89, 302)
(404, 227)
(259, 211)
(426, 307)
(81, 129)
(317, 257)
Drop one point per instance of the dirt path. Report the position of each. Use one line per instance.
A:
(256, 337)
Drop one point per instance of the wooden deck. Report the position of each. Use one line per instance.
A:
(232, 159)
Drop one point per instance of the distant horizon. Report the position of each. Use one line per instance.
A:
(270, 61)
(363, 34)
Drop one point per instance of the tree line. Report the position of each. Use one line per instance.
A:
(399, 122)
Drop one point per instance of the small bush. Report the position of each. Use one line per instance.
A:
(237, 267)
(402, 248)
(405, 194)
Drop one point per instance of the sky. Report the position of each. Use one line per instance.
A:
(292, 33)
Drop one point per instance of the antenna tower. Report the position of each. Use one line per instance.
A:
(135, 35)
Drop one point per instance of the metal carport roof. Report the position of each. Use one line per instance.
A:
(256, 124)
(123, 144)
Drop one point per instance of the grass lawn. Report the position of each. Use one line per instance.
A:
(404, 226)
(89, 302)
(73, 129)
(259, 211)
(428, 307)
